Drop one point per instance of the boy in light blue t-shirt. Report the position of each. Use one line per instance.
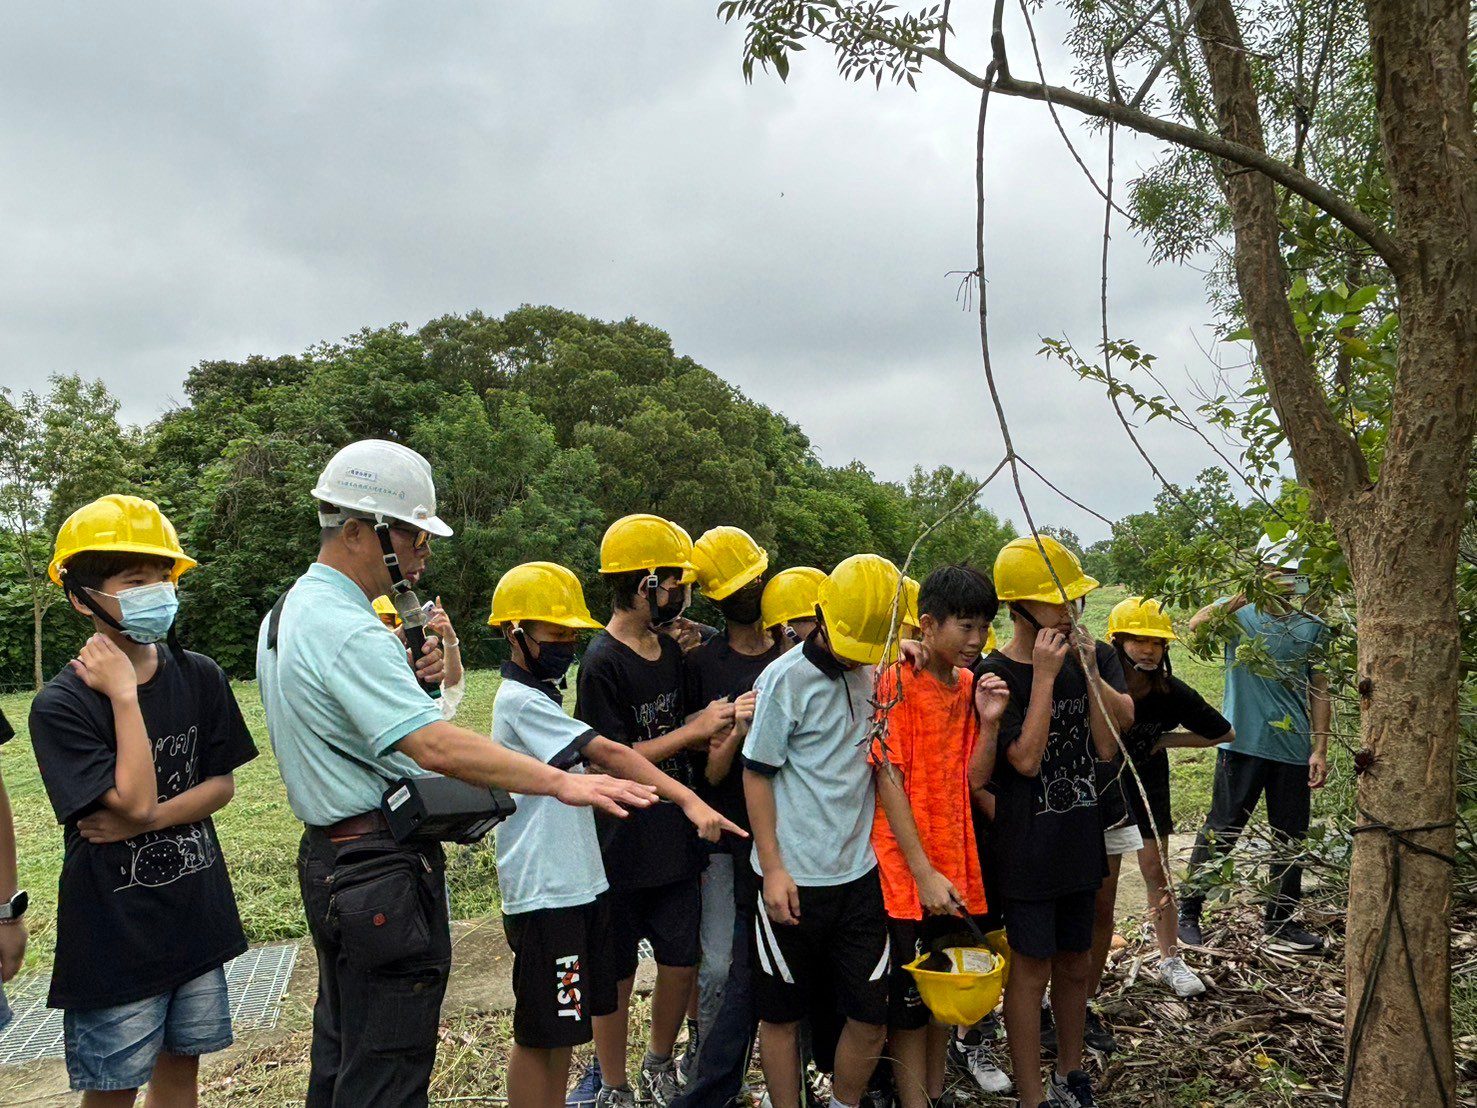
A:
(550, 871)
(1281, 721)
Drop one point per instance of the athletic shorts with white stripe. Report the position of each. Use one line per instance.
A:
(838, 954)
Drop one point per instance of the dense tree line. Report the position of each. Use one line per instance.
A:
(543, 426)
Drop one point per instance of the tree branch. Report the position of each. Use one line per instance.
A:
(1379, 240)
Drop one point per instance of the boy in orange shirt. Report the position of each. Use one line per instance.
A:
(940, 748)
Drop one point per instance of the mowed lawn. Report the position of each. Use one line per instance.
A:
(260, 835)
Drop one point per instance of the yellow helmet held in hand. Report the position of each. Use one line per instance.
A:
(122, 524)
(727, 559)
(544, 591)
(646, 542)
(1145, 618)
(857, 602)
(790, 594)
(1022, 574)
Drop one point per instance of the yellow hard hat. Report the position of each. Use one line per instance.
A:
(1022, 574)
(647, 543)
(384, 607)
(543, 591)
(958, 996)
(790, 594)
(120, 523)
(1145, 618)
(727, 559)
(857, 601)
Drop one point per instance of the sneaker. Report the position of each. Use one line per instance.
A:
(1180, 977)
(1292, 939)
(977, 1059)
(687, 1060)
(1048, 1031)
(586, 1089)
(1073, 1092)
(1096, 1036)
(659, 1083)
(1190, 930)
(608, 1097)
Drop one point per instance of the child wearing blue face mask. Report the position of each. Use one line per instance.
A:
(567, 965)
(137, 742)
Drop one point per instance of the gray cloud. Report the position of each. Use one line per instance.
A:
(217, 180)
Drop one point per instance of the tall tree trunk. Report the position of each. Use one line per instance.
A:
(1400, 534)
(1404, 563)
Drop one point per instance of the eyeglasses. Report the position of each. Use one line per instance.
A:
(419, 540)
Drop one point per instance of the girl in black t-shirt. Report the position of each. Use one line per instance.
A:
(1167, 713)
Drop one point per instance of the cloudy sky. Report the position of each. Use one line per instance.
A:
(182, 182)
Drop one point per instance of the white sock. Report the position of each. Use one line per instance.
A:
(837, 1104)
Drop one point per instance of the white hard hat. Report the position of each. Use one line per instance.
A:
(1278, 552)
(381, 479)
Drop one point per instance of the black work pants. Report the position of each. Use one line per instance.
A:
(374, 1031)
(1240, 781)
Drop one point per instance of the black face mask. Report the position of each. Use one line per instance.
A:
(663, 614)
(742, 607)
(553, 661)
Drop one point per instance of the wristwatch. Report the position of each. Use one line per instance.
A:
(14, 908)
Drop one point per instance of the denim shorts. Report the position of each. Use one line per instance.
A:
(116, 1048)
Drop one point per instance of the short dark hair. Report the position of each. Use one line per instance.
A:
(88, 569)
(625, 587)
(959, 592)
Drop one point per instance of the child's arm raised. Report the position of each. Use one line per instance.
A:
(991, 698)
(106, 669)
(699, 728)
(1047, 656)
(935, 891)
(619, 760)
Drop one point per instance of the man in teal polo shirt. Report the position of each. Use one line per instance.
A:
(1281, 718)
(347, 715)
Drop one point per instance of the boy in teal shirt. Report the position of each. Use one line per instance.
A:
(1281, 720)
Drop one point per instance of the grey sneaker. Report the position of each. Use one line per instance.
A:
(608, 1097)
(978, 1060)
(1075, 1091)
(1180, 977)
(659, 1083)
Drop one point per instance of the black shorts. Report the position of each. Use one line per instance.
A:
(992, 873)
(911, 939)
(841, 941)
(668, 915)
(1042, 928)
(1154, 773)
(562, 973)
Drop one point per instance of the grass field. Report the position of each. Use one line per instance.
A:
(260, 835)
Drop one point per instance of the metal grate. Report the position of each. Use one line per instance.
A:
(256, 981)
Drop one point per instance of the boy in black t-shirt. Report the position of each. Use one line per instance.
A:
(136, 744)
(1047, 823)
(730, 571)
(630, 689)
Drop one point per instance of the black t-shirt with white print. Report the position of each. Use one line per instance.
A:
(1048, 828)
(715, 669)
(138, 918)
(628, 699)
